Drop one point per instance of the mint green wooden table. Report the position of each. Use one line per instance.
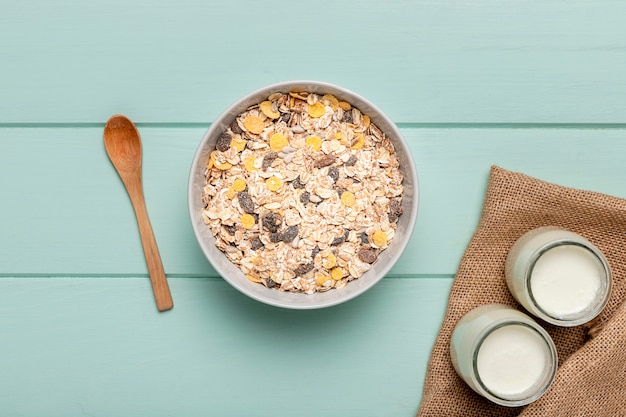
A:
(533, 86)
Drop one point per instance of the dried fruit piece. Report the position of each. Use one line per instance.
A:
(268, 159)
(247, 220)
(272, 222)
(347, 117)
(269, 283)
(336, 273)
(266, 108)
(367, 255)
(316, 110)
(230, 228)
(253, 124)
(338, 240)
(305, 197)
(278, 141)
(239, 185)
(379, 238)
(360, 141)
(256, 243)
(234, 126)
(330, 101)
(351, 161)
(276, 237)
(324, 161)
(314, 142)
(333, 173)
(303, 269)
(290, 234)
(245, 201)
(395, 210)
(249, 164)
(273, 183)
(223, 142)
(348, 199)
(296, 183)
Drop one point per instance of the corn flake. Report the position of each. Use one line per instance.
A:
(379, 238)
(314, 142)
(316, 110)
(249, 164)
(273, 183)
(247, 220)
(266, 108)
(331, 101)
(345, 105)
(348, 199)
(278, 141)
(253, 124)
(336, 273)
(239, 185)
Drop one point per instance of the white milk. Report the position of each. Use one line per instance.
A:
(503, 354)
(558, 275)
(566, 280)
(512, 360)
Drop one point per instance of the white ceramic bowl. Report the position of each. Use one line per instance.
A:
(232, 274)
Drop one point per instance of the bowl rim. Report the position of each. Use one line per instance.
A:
(344, 294)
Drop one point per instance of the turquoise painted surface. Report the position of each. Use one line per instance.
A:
(533, 86)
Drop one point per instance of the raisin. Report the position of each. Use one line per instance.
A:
(347, 116)
(285, 117)
(305, 197)
(303, 269)
(231, 229)
(340, 239)
(276, 237)
(351, 161)
(245, 201)
(290, 234)
(269, 283)
(296, 183)
(324, 161)
(367, 255)
(268, 159)
(255, 243)
(315, 251)
(272, 222)
(223, 142)
(333, 173)
(234, 126)
(395, 210)
(364, 239)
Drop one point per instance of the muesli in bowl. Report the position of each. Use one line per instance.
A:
(303, 192)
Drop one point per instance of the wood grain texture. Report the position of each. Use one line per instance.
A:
(77, 207)
(420, 61)
(96, 347)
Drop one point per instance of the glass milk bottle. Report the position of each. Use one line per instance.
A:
(558, 276)
(503, 355)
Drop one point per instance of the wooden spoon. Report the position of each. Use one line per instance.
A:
(123, 145)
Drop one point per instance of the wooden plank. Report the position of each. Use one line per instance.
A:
(64, 214)
(98, 347)
(420, 61)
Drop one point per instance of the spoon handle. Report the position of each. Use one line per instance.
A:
(160, 287)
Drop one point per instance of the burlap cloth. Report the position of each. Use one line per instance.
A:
(591, 378)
